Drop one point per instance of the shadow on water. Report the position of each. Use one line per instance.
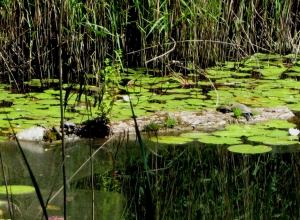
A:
(191, 181)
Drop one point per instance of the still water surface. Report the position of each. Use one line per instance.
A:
(191, 181)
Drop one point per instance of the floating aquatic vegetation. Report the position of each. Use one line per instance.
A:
(281, 124)
(274, 141)
(210, 139)
(193, 135)
(250, 149)
(194, 102)
(171, 140)
(17, 189)
(277, 133)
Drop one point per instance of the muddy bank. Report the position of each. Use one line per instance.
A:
(205, 120)
(208, 120)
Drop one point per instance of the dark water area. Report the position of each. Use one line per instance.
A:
(192, 181)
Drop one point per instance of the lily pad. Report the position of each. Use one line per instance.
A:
(210, 139)
(273, 141)
(171, 139)
(242, 131)
(277, 133)
(17, 189)
(283, 124)
(249, 149)
(280, 142)
(261, 138)
(193, 135)
(194, 101)
(48, 102)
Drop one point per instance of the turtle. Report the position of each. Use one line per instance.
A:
(224, 109)
(246, 112)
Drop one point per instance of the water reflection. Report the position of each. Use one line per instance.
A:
(208, 182)
(45, 161)
(192, 181)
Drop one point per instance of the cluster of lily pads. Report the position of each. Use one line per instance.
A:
(259, 138)
(262, 80)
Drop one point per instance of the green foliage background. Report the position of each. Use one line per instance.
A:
(204, 32)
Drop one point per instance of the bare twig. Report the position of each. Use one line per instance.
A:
(160, 56)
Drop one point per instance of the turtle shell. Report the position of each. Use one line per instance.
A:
(224, 109)
(242, 107)
(246, 112)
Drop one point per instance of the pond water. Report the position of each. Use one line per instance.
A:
(188, 181)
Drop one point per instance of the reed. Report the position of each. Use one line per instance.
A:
(205, 182)
(205, 32)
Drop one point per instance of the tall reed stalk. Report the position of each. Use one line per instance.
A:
(142, 30)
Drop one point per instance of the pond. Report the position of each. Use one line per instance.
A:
(188, 181)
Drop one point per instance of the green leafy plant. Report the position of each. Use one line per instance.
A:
(237, 112)
(171, 122)
(110, 79)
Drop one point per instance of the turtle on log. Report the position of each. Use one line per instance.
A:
(246, 112)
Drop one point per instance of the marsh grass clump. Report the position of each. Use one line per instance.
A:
(170, 122)
(151, 127)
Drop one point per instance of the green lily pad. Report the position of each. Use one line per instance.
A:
(137, 112)
(214, 74)
(194, 135)
(241, 75)
(17, 189)
(294, 69)
(52, 92)
(171, 139)
(280, 142)
(134, 89)
(4, 123)
(194, 101)
(48, 102)
(283, 124)
(278, 93)
(241, 130)
(41, 95)
(260, 138)
(182, 90)
(14, 96)
(162, 97)
(277, 133)
(273, 141)
(210, 139)
(249, 149)
(154, 106)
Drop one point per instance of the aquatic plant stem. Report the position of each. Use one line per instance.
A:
(77, 171)
(34, 182)
(150, 213)
(62, 108)
(6, 184)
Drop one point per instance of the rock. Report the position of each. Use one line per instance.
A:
(34, 133)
